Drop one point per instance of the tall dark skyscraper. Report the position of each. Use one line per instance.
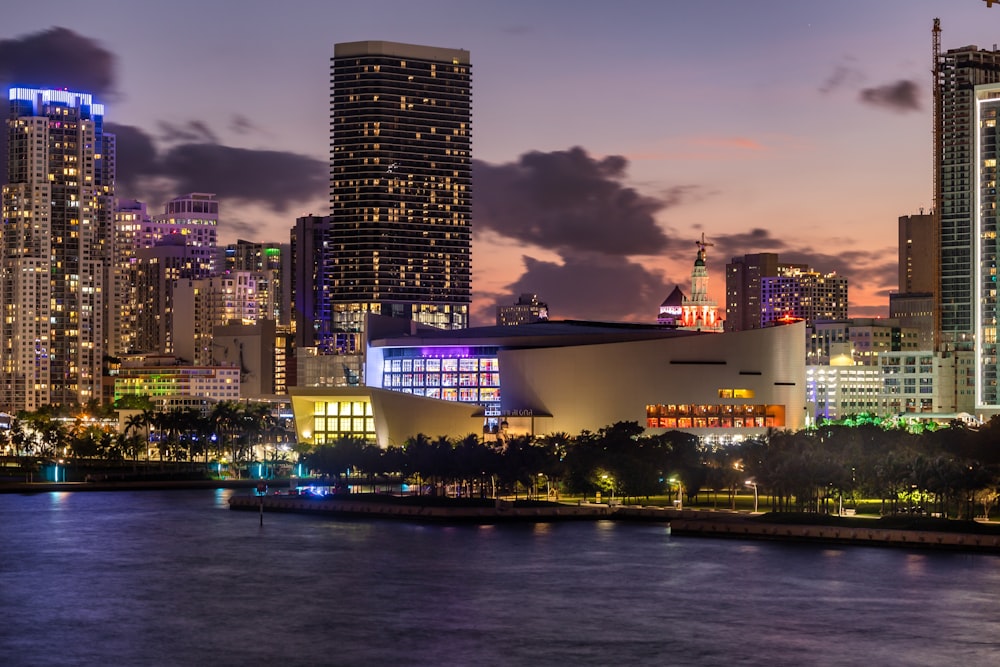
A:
(55, 248)
(400, 185)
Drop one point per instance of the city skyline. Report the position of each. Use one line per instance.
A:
(631, 106)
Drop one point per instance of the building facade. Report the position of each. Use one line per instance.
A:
(865, 339)
(985, 214)
(170, 386)
(837, 390)
(400, 184)
(550, 377)
(55, 249)
(527, 309)
(957, 74)
(743, 276)
(917, 253)
(270, 264)
(806, 295)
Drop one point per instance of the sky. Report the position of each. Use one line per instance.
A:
(607, 136)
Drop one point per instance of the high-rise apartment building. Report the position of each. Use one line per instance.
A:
(985, 215)
(270, 264)
(55, 247)
(400, 184)
(743, 276)
(150, 254)
(805, 295)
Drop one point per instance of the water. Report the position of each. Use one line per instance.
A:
(175, 578)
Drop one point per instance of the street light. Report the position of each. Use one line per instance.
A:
(679, 503)
(752, 483)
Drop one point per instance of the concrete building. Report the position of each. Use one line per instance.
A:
(55, 249)
(270, 264)
(568, 377)
(915, 310)
(195, 218)
(400, 160)
(926, 382)
(251, 347)
(917, 253)
(865, 339)
(840, 387)
(171, 386)
(199, 306)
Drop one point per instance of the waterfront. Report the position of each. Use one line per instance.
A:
(175, 578)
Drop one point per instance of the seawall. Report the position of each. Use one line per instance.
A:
(695, 523)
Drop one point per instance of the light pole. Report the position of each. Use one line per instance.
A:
(752, 483)
(679, 503)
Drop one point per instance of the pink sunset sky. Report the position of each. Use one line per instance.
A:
(607, 136)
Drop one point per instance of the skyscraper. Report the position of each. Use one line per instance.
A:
(150, 254)
(987, 152)
(957, 72)
(400, 184)
(55, 248)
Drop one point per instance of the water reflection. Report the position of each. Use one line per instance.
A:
(168, 578)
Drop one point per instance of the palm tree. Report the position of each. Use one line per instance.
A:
(133, 424)
(224, 417)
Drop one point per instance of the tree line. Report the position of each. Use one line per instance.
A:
(952, 471)
(229, 431)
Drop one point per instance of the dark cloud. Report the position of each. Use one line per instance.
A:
(842, 76)
(275, 179)
(240, 124)
(57, 58)
(193, 131)
(135, 153)
(592, 286)
(728, 246)
(568, 201)
(53, 58)
(196, 162)
(242, 228)
(901, 96)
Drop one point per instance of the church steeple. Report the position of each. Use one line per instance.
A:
(699, 312)
(699, 274)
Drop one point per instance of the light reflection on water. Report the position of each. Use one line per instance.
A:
(175, 578)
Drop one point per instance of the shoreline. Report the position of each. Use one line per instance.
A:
(687, 522)
(139, 485)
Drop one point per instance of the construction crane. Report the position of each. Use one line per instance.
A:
(936, 92)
